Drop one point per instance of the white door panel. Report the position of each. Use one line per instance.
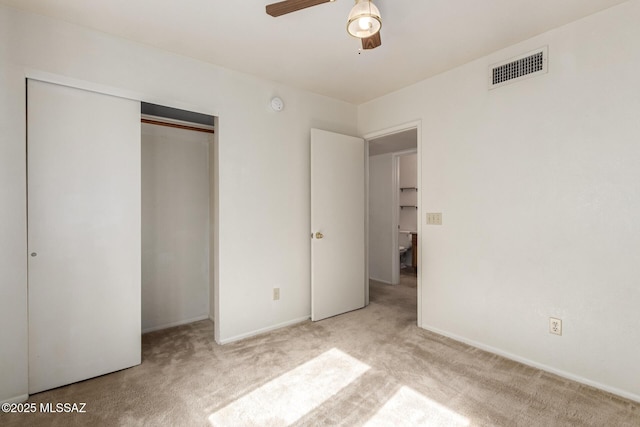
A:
(337, 212)
(84, 234)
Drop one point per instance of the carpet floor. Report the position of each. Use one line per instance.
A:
(370, 367)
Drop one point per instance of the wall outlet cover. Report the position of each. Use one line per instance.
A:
(555, 326)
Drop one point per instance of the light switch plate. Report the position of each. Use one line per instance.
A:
(434, 218)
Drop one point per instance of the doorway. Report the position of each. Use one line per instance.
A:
(394, 206)
(176, 216)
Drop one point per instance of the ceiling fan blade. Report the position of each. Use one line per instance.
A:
(372, 42)
(288, 6)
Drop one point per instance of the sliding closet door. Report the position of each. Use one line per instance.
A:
(84, 234)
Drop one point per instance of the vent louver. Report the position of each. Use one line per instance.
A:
(521, 67)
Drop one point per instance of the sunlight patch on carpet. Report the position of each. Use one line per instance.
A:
(410, 408)
(287, 398)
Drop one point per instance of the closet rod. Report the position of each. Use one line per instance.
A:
(175, 125)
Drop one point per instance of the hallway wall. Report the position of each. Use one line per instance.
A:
(381, 208)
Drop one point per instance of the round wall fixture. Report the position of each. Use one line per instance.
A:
(277, 104)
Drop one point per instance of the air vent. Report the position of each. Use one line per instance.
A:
(518, 68)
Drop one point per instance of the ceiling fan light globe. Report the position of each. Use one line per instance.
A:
(365, 24)
(364, 19)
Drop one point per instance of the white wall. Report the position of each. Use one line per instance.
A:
(13, 249)
(380, 217)
(263, 162)
(538, 185)
(175, 226)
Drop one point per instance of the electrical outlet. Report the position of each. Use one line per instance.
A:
(434, 218)
(276, 294)
(555, 326)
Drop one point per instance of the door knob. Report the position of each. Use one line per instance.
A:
(319, 235)
(33, 254)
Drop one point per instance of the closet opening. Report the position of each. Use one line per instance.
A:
(177, 216)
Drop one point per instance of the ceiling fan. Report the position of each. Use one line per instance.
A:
(364, 20)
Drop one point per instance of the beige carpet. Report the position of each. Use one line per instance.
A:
(369, 367)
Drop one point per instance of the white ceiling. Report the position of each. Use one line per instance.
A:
(310, 49)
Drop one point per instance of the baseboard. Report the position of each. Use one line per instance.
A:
(263, 330)
(534, 364)
(381, 281)
(178, 323)
(17, 399)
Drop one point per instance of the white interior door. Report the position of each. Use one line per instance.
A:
(338, 215)
(84, 234)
